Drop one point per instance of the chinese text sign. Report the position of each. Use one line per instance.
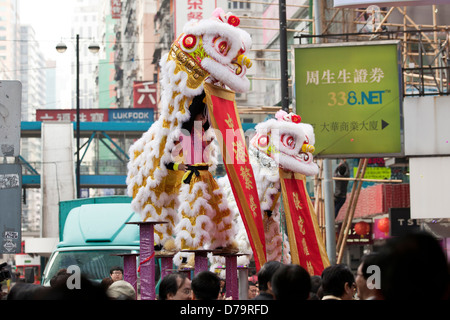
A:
(351, 95)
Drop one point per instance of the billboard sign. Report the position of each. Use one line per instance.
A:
(130, 115)
(10, 112)
(401, 222)
(351, 94)
(96, 115)
(386, 3)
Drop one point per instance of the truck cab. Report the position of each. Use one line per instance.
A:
(92, 237)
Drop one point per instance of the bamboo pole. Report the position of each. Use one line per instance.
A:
(370, 180)
(384, 19)
(352, 194)
(352, 212)
(318, 204)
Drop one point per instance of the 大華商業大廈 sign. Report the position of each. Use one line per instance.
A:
(351, 94)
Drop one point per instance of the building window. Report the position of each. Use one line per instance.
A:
(238, 5)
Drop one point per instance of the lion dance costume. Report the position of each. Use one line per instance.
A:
(210, 50)
(283, 142)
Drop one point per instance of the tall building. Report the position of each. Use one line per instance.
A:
(107, 75)
(50, 88)
(249, 103)
(85, 24)
(135, 45)
(33, 79)
(9, 34)
(32, 74)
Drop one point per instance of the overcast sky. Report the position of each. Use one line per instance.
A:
(50, 20)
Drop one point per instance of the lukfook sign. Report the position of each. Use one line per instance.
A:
(97, 115)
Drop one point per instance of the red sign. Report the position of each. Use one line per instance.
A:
(354, 238)
(144, 94)
(116, 9)
(225, 119)
(86, 115)
(305, 240)
(195, 9)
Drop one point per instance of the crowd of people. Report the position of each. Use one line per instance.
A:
(411, 267)
(62, 287)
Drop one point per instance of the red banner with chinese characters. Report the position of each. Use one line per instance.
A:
(305, 240)
(144, 94)
(224, 118)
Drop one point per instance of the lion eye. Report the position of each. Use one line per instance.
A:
(263, 141)
(288, 141)
(221, 46)
(189, 43)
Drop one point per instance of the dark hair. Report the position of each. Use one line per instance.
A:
(291, 282)
(25, 291)
(266, 272)
(334, 279)
(413, 267)
(106, 282)
(197, 107)
(115, 268)
(88, 290)
(170, 285)
(316, 283)
(342, 170)
(206, 286)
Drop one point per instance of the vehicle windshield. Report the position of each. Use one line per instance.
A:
(94, 264)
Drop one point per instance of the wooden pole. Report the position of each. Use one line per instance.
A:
(371, 180)
(318, 204)
(352, 212)
(347, 213)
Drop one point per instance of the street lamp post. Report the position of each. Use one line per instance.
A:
(61, 48)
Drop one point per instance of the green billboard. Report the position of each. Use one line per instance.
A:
(351, 94)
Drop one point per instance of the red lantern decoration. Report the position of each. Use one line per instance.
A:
(383, 225)
(362, 228)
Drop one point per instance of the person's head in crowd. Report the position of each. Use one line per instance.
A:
(61, 275)
(414, 267)
(205, 286)
(121, 290)
(265, 277)
(338, 283)
(106, 282)
(291, 282)
(366, 280)
(25, 291)
(252, 290)
(316, 282)
(175, 286)
(116, 273)
(75, 289)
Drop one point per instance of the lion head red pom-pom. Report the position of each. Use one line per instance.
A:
(296, 118)
(234, 21)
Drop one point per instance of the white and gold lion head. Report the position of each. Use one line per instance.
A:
(288, 141)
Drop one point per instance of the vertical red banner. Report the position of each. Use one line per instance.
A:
(307, 247)
(225, 119)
